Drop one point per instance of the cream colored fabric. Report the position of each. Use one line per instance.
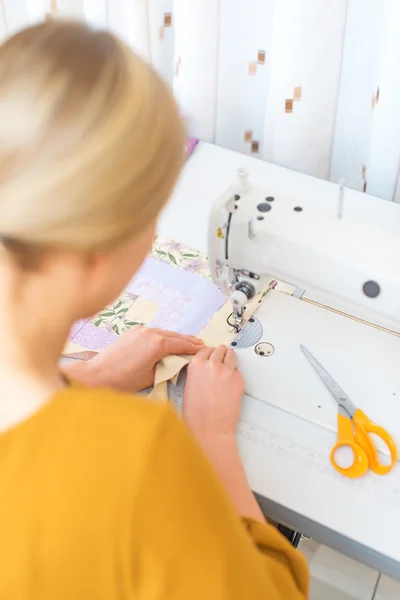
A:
(142, 310)
(215, 333)
(70, 348)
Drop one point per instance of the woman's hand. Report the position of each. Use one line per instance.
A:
(213, 394)
(211, 408)
(129, 363)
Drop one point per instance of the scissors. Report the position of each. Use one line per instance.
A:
(357, 439)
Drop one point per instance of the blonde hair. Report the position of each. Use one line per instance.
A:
(91, 141)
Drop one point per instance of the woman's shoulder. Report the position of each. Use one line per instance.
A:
(112, 404)
(101, 422)
(113, 411)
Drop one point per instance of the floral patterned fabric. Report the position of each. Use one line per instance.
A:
(181, 256)
(113, 316)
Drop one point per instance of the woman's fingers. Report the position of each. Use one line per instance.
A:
(219, 354)
(173, 334)
(180, 345)
(230, 359)
(205, 353)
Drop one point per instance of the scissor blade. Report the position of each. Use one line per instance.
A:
(329, 382)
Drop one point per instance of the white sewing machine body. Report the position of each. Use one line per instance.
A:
(349, 261)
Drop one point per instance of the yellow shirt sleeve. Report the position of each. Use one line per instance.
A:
(189, 542)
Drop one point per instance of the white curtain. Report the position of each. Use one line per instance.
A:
(311, 85)
(366, 149)
(196, 64)
(306, 50)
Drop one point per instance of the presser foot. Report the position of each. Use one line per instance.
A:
(236, 320)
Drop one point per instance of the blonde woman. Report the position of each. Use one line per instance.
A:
(104, 495)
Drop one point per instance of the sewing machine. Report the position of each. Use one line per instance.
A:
(337, 265)
(347, 266)
(353, 265)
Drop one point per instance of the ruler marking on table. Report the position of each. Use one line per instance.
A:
(277, 443)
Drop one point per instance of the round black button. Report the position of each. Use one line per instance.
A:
(259, 218)
(264, 207)
(234, 344)
(269, 199)
(298, 209)
(237, 197)
(371, 289)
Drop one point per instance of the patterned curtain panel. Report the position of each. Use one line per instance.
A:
(306, 52)
(310, 85)
(366, 149)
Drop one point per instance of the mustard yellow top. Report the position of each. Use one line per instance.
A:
(105, 496)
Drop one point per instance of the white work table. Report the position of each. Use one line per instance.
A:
(286, 457)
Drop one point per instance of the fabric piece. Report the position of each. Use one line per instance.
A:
(217, 332)
(115, 316)
(178, 255)
(101, 331)
(160, 295)
(160, 391)
(191, 144)
(187, 302)
(81, 355)
(71, 348)
(76, 327)
(142, 310)
(166, 251)
(95, 338)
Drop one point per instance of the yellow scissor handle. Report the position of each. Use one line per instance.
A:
(346, 439)
(363, 427)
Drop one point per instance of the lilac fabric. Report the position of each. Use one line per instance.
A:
(76, 327)
(201, 296)
(94, 338)
(191, 144)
